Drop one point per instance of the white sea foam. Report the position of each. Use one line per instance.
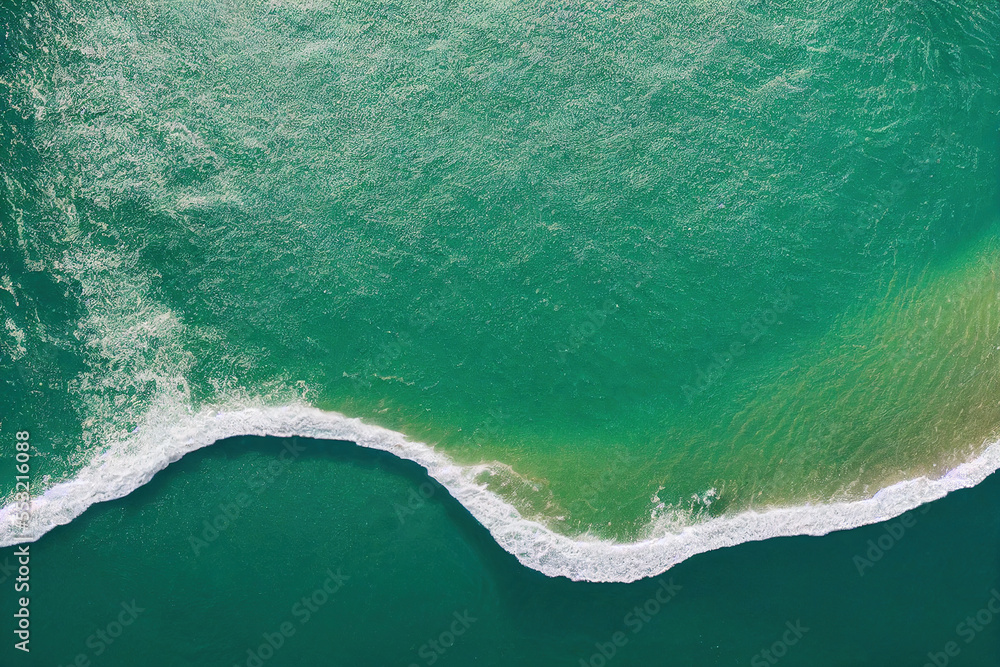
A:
(167, 436)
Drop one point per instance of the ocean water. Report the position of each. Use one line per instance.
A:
(630, 282)
(413, 558)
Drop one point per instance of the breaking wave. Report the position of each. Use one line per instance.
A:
(166, 436)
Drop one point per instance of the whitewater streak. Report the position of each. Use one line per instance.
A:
(120, 470)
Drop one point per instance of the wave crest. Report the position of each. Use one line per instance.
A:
(165, 438)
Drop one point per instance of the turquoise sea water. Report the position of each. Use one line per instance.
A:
(337, 507)
(630, 282)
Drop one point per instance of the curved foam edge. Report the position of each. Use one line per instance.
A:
(120, 471)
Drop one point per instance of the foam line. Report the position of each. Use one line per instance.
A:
(162, 440)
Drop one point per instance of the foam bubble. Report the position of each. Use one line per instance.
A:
(168, 434)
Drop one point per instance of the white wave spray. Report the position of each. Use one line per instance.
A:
(164, 438)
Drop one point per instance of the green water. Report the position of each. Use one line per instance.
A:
(337, 507)
(633, 268)
(515, 234)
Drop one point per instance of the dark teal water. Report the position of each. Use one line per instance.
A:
(409, 572)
